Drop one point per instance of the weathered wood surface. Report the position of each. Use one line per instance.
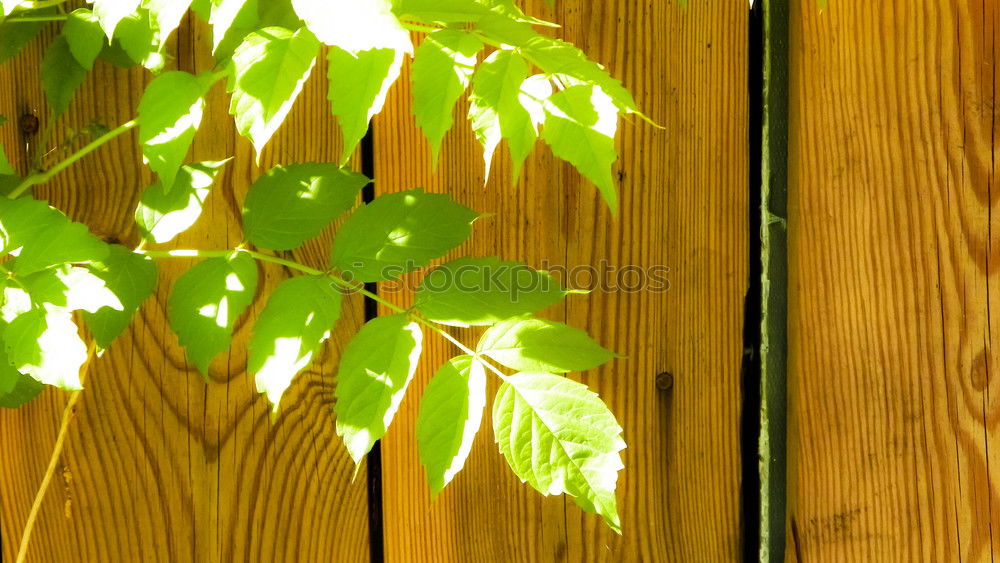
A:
(895, 408)
(160, 466)
(684, 205)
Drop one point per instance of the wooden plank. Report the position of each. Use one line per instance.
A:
(160, 466)
(684, 205)
(893, 362)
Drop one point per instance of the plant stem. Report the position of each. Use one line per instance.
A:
(42, 177)
(50, 471)
(58, 18)
(420, 27)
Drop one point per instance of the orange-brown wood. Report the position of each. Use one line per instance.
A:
(158, 465)
(684, 206)
(895, 409)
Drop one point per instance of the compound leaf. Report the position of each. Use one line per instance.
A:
(291, 204)
(495, 108)
(206, 301)
(296, 321)
(399, 232)
(271, 65)
(170, 112)
(163, 213)
(559, 437)
(375, 370)
(451, 411)
(530, 344)
(484, 291)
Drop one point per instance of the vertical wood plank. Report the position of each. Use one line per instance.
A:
(684, 206)
(160, 466)
(894, 405)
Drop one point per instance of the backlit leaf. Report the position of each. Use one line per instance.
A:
(296, 321)
(560, 438)
(359, 83)
(16, 388)
(270, 67)
(451, 411)
(539, 345)
(61, 75)
(399, 232)
(495, 108)
(375, 370)
(46, 237)
(205, 303)
(45, 344)
(354, 26)
(132, 278)
(484, 291)
(70, 287)
(291, 204)
(163, 214)
(170, 113)
(84, 35)
(110, 12)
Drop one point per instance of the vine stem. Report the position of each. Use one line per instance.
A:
(50, 471)
(16, 19)
(42, 177)
(192, 253)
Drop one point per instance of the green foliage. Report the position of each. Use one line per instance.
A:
(399, 232)
(560, 438)
(291, 204)
(484, 291)
(297, 319)
(269, 68)
(520, 86)
(206, 301)
(529, 344)
(375, 370)
(163, 213)
(451, 411)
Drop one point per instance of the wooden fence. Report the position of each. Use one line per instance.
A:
(889, 128)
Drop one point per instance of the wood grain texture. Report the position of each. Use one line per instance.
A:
(895, 408)
(160, 466)
(684, 205)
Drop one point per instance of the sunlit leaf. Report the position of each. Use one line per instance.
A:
(15, 35)
(451, 411)
(84, 35)
(16, 388)
(580, 124)
(484, 291)
(46, 237)
(560, 438)
(291, 204)
(539, 345)
(359, 83)
(297, 319)
(61, 75)
(110, 12)
(131, 278)
(45, 344)
(495, 108)
(375, 369)
(399, 232)
(270, 67)
(441, 70)
(170, 112)
(136, 35)
(205, 303)
(70, 287)
(448, 12)
(165, 15)
(354, 26)
(163, 214)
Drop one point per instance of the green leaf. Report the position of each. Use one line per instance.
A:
(451, 411)
(441, 70)
(170, 112)
(290, 204)
(557, 57)
(359, 83)
(484, 291)
(165, 15)
(354, 26)
(539, 345)
(61, 75)
(110, 12)
(495, 108)
(15, 35)
(45, 344)
(5, 168)
(163, 214)
(16, 388)
(375, 369)
(84, 35)
(560, 437)
(270, 67)
(206, 301)
(226, 15)
(448, 12)
(580, 124)
(136, 34)
(296, 321)
(131, 278)
(46, 237)
(399, 232)
(70, 287)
